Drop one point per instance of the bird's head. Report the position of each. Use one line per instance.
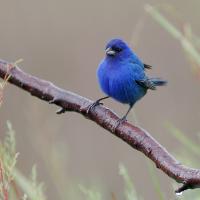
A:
(117, 49)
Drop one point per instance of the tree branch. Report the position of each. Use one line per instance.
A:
(136, 137)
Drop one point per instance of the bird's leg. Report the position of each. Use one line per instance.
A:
(123, 119)
(96, 103)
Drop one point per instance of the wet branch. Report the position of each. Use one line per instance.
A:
(134, 136)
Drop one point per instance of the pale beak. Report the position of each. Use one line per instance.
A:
(110, 52)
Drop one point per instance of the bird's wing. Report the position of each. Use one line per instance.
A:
(147, 66)
(146, 83)
(141, 79)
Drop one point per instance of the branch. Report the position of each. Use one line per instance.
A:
(136, 137)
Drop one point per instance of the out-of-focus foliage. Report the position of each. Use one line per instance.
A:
(155, 182)
(188, 40)
(8, 158)
(188, 144)
(129, 191)
(90, 194)
(14, 185)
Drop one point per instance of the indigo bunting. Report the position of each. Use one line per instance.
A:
(121, 75)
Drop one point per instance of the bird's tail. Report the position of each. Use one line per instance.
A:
(158, 81)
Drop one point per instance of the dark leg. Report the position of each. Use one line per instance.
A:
(124, 117)
(96, 103)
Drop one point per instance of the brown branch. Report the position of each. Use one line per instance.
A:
(136, 137)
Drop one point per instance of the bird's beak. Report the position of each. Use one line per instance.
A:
(110, 52)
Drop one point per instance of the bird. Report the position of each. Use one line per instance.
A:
(121, 76)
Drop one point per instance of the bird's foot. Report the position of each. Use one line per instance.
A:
(93, 105)
(119, 122)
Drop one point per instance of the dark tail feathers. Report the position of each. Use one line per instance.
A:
(158, 81)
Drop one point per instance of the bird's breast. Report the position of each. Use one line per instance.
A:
(118, 82)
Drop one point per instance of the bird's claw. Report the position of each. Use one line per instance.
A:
(119, 122)
(93, 105)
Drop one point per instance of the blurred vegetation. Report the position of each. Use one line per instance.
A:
(14, 185)
(189, 41)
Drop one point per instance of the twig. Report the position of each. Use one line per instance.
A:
(136, 137)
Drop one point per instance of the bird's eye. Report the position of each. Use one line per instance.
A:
(117, 49)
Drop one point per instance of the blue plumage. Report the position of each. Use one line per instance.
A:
(121, 75)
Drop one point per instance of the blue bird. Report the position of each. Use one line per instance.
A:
(121, 75)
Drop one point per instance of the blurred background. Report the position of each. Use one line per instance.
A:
(63, 42)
